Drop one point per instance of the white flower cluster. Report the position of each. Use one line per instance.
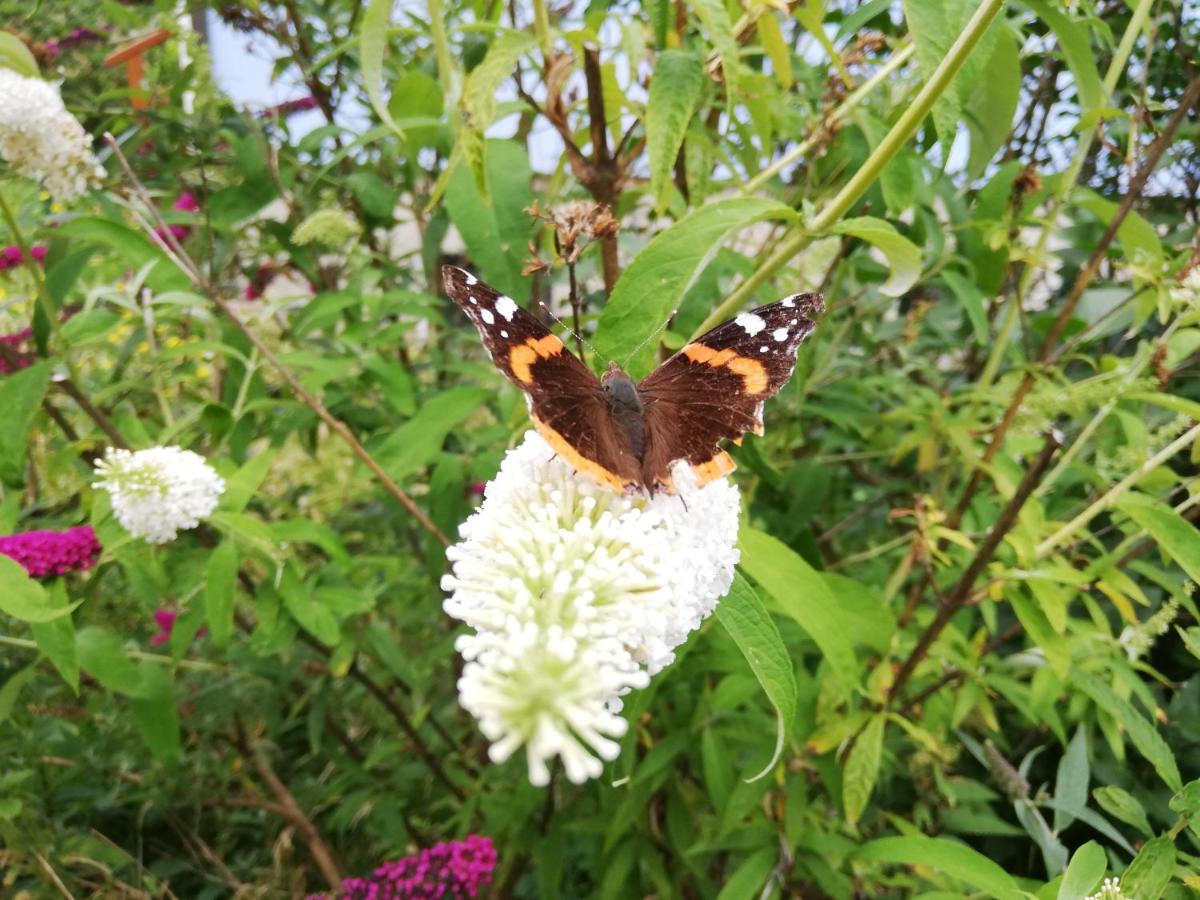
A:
(158, 492)
(1109, 890)
(41, 140)
(577, 595)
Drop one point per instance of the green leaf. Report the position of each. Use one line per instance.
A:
(993, 102)
(1120, 804)
(313, 616)
(133, 249)
(101, 656)
(862, 769)
(23, 598)
(653, 285)
(241, 486)
(10, 807)
(418, 441)
(478, 107)
(1136, 235)
(944, 855)
(748, 879)
(372, 45)
(777, 48)
(21, 394)
(1150, 872)
(220, 592)
(935, 26)
(495, 232)
(972, 299)
(743, 615)
(156, 715)
(1084, 872)
(11, 689)
(16, 56)
(1077, 50)
(903, 256)
(715, 18)
(802, 593)
(1178, 537)
(1053, 644)
(1071, 782)
(675, 90)
(417, 97)
(89, 324)
(1145, 738)
(56, 638)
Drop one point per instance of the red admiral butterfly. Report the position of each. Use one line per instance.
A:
(627, 435)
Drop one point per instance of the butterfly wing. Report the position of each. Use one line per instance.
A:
(565, 399)
(714, 388)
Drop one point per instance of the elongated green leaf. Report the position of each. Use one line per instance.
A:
(16, 56)
(1084, 872)
(478, 107)
(862, 769)
(1178, 537)
(11, 689)
(715, 18)
(102, 657)
(675, 90)
(903, 256)
(743, 615)
(777, 49)
(21, 394)
(372, 45)
(156, 715)
(992, 104)
(943, 855)
(23, 598)
(495, 231)
(748, 879)
(418, 440)
(1053, 644)
(313, 616)
(1077, 50)
(242, 484)
(1122, 805)
(1136, 235)
(220, 592)
(1145, 738)
(802, 593)
(133, 248)
(56, 638)
(653, 285)
(1150, 871)
(1071, 782)
(971, 298)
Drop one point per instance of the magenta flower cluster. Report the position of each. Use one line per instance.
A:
(185, 203)
(15, 359)
(48, 553)
(11, 257)
(77, 38)
(451, 869)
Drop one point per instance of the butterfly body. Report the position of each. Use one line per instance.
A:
(628, 435)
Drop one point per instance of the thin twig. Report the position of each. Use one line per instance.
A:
(165, 239)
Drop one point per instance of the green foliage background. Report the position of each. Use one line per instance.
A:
(967, 555)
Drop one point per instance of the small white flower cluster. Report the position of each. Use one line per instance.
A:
(1186, 294)
(41, 140)
(577, 595)
(1109, 890)
(158, 492)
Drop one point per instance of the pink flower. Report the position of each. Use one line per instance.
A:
(186, 203)
(165, 619)
(448, 869)
(11, 257)
(50, 553)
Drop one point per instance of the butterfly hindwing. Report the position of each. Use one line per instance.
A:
(565, 399)
(714, 388)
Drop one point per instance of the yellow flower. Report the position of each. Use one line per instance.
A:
(203, 371)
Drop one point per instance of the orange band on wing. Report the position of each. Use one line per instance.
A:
(578, 461)
(754, 374)
(522, 356)
(720, 465)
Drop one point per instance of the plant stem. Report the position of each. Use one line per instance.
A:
(1118, 490)
(899, 134)
(157, 658)
(441, 51)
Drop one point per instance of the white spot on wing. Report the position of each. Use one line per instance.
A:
(780, 335)
(472, 281)
(751, 323)
(789, 303)
(471, 297)
(763, 349)
(503, 333)
(488, 317)
(507, 307)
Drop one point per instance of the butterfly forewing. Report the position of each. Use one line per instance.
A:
(565, 399)
(714, 388)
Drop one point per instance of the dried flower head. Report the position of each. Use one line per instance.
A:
(41, 140)
(576, 225)
(159, 492)
(576, 596)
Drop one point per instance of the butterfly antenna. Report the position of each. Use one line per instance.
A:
(657, 331)
(575, 334)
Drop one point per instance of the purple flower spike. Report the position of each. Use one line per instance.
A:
(49, 553)
(450, 869)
